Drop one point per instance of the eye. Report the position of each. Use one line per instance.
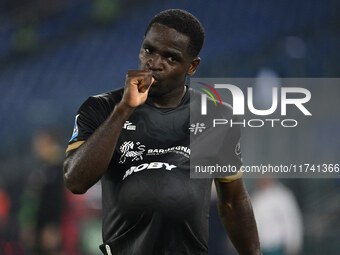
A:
(172, 59)
(147, 50)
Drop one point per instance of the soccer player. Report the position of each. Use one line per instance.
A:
(136, 141)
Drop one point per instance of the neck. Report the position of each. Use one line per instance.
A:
(169, 100)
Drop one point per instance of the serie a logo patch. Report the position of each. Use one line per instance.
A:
(75, 129)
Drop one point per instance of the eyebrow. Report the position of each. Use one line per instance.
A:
(147, 45)
(165, 53)
(172, 54)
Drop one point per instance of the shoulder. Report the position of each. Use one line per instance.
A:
(113, 96)
(105, 100)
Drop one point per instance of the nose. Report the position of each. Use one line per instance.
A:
(154, 63)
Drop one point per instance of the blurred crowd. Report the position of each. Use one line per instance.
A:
(51, 220)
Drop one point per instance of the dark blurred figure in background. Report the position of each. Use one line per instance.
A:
(278, 218)
(43, 198)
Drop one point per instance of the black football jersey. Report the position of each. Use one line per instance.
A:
(150, 203)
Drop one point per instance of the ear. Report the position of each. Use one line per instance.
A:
(193, 66)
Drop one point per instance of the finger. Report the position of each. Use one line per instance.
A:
(146, 84)
(132, 73)
(137, 77)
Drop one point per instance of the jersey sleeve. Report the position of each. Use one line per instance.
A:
(230, 152)
(89, 117)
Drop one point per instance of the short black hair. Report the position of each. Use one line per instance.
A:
(185, 23)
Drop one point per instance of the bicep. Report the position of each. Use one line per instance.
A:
(71, 150)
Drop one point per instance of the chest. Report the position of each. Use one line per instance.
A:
(153, 157)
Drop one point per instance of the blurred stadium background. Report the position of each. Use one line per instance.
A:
(54, 54)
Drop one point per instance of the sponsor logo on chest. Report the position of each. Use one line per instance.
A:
(151, 166)
(185, 151)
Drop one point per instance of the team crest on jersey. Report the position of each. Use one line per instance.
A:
(196, 128)
(129, 150)
(75, 129)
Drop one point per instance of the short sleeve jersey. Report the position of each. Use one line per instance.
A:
(150, 203)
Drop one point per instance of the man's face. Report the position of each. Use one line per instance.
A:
(164, 51)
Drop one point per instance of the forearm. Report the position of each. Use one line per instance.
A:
(85, 166)
(237, 217)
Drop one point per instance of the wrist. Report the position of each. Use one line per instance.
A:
(125, 106)
(124, 109)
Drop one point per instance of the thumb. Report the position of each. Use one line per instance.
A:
(147, 86)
